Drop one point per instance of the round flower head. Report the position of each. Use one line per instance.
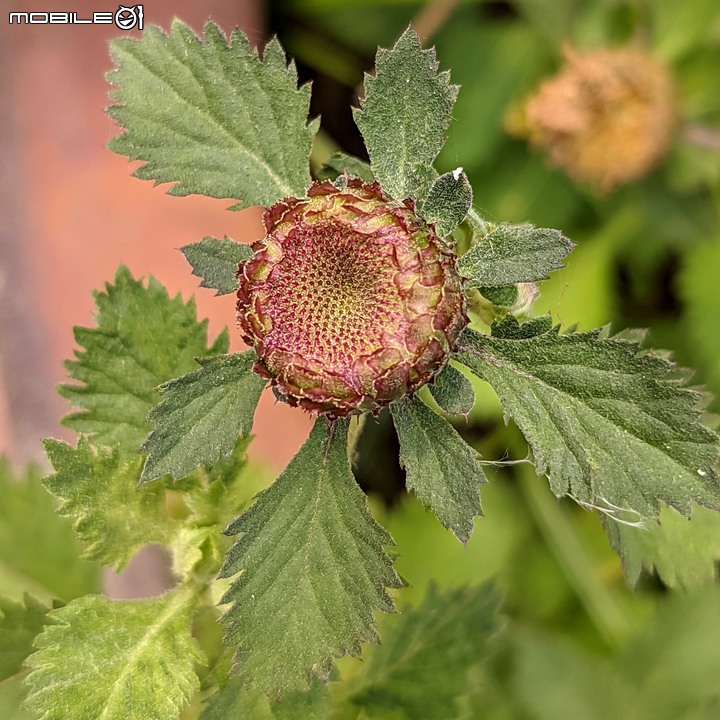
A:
(606, 118)
(350, 300)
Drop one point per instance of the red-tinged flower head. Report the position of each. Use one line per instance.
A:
(350, 300)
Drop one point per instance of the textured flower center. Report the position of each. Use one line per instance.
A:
(350, 300)
(334, 293)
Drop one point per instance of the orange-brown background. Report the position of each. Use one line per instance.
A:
(70, 213)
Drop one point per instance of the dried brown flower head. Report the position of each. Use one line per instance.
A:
(606, 118)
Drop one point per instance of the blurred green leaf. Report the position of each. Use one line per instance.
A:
(495, 62)
(99, 492)
(429, 554)
(699, 290)
(557, 680)
(19, 625)
(12, 695)
(669, 671)
(102, 659)
(521, 188)
(39, 552)
(583, 291)
(422, 665)
(143, 338)
(675, 664)
(684, 552)
(234, 701)
(681, 26)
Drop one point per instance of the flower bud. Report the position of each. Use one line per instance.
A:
(350, 300)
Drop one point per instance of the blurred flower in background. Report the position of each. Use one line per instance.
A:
(606, 118)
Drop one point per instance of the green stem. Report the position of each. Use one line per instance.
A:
(601, 604)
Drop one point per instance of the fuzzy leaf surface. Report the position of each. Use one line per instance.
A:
(453, 392)
(421, 666)
(102, 659)
(448, 201)
(684, 552)
(99, 492)
(39, 552)
(143, 338)
(612, 426)
(201, 415)
(511, 254)
(216, 262)
(312, 559)
(210, 116)
(405, 113)
(441, 468)
(20, 623)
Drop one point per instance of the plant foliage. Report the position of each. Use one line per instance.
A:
(165, 417)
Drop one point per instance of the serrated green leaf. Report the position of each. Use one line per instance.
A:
(19, 625)
(441, 468)
(612, 426)
(201, 415)
(102, 659)
(422, 665)
(511, 254)
(684, 552)
(143, 338)
(234, 701)
(405, 113)
(99, 491)
(447, 202)
(216, 262)
(453, 392)
(340, 163)
(211, 116)
(39, 552)
(312, 559)
(421, 177)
